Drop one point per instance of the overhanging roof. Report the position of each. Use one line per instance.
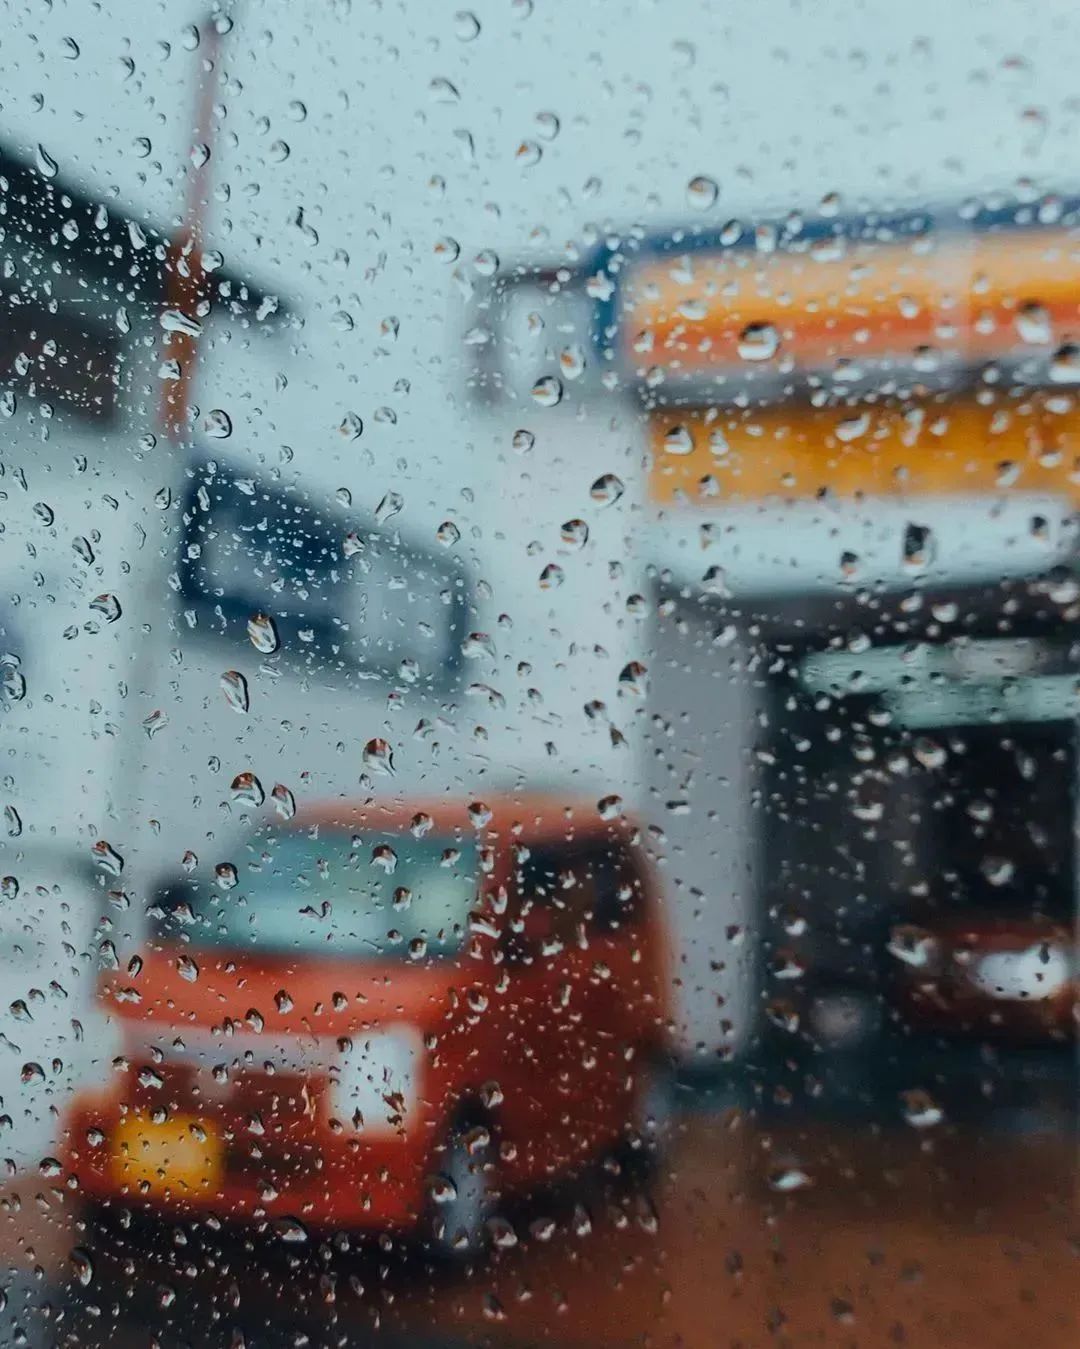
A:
(109, 242)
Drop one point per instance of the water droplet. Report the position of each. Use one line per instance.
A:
(226, 876)
(447, 250)
(785, 1179)
(82, 549)
(263, 634)
(351, 426)
(187, 968)
(912, 945)
(382, 855)
(108, 606)
(610, 807)
(378, 756)
(480, 814)
(44, 512)
(420, 824)
(851, 428)
(701, 193)
(12, 681)
(443, 90)
(466, 26)
(82, 1263)
(929, 752)
(920, 1109)
(477, 645)
(552, 576)
(290, 1230)
(607, 489)
(156, 721)
(8, 403)
(284, 801)
(917, 548)
(486, 262)
(46, 165)
(1034, 324)
(678, 440)
(107, 858)
(389, 506)
(175, 321)
(1065, 364)
(448, 534)
(547, 391)
(527, 154)
(997, 870)
(69, 49)
(572, 362)
(218, 424)
(633, 678)
(547, 125)
(9, 887)
(297, 110)
(246, 787)
(574, 533)
(783, 1015)
(189, 861)
(758, 342)
(235, 688)
(279, 152)
(523, 441)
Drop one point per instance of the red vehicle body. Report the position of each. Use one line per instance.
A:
(308, 1041)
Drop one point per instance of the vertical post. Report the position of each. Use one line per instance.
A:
(185, 280)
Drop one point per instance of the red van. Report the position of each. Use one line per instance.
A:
(384, 1016)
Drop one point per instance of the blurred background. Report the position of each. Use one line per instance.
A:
(668, 406)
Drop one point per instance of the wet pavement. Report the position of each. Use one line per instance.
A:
(891, 1238)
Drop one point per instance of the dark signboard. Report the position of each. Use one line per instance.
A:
(55, 356)
(343, 595)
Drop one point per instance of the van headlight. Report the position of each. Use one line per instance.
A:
(375, 1078)
(1032, 975)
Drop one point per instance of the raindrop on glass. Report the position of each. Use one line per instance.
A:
(263, 634)
(701, 193)
(235, 688)
(247, 788)
(378, 756)
(218, 424)
(547, 391)
(108, 606)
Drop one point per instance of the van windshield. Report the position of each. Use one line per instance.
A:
(392, 896)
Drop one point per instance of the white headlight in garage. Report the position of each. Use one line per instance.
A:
(377, 1077)
(1039, 972)
(842, 1020)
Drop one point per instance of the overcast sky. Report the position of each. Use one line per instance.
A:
(394, 125)
(779, 103)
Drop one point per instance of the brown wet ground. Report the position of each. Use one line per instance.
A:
(963, 1242)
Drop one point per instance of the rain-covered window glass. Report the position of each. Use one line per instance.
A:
(539, 673)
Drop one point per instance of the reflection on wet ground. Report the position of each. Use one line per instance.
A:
(796, 1235)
